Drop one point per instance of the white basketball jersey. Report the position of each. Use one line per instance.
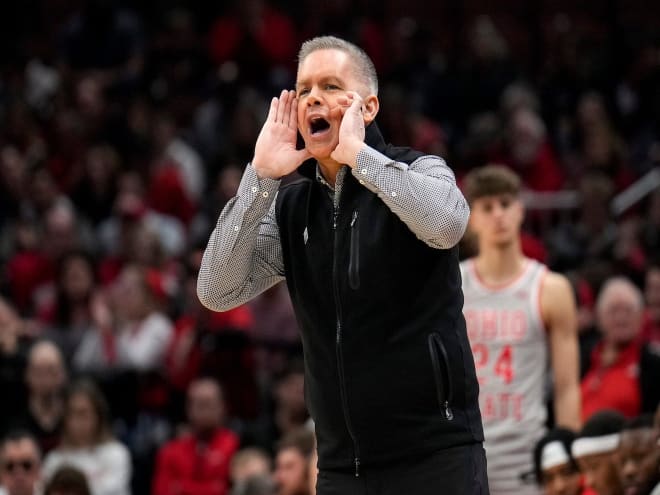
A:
(510, 350)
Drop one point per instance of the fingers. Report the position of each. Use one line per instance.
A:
(351, 100)
(283, 110)
(293, 117)
(291, 108)
(356, 104)
(281, 107)
(272, 111)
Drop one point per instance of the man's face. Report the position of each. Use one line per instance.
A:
(323, 77)
(561, 480)
(496, 219)
(205, 408)
(45, 373)
(291, 472)
(639, 459)
(601, 474)
(620, 316)
(20, 467)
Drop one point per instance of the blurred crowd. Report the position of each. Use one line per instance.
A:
(124, 129)
(610, 456)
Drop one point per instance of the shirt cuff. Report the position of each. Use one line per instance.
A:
(254, 190)
(372, 166)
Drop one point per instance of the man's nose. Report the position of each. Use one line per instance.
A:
(629, 470)
(313, 97)
(497, 211)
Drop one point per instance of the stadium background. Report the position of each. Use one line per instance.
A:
(124, 127)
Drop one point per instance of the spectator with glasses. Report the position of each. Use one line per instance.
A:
(20, 461)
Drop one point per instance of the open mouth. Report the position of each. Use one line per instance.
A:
(318, 125)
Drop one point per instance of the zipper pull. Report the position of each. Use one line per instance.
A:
(357, 467)
(448, 412)
(355, 215)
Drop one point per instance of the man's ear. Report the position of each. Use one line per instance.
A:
(371, 106)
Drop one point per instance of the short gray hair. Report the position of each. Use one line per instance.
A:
(363, 64)
(616, 284)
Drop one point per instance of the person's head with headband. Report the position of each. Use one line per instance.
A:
(595, 452)
(555, 469)
(639, 456)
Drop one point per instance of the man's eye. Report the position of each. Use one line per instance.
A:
(302, 92)
(331, 86)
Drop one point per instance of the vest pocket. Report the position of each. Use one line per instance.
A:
(441, 374)
(354, 259)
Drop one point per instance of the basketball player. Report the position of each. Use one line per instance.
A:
(517, 313)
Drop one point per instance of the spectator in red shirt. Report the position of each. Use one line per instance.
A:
(624, 373)
(198, 462)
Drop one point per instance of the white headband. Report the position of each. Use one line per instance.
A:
(595, 445)
(554, 454)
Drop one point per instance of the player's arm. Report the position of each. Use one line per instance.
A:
(560, 317)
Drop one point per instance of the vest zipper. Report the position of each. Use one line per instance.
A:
(338, 347)
(354, 261)
(443, 382)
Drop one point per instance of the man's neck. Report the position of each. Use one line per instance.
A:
(329, 169)
(498, 265)
(204, 436)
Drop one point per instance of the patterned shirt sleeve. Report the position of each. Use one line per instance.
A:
(424, 195)
(243, 257)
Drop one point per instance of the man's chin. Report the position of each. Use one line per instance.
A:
(321, 149)
(320, 153)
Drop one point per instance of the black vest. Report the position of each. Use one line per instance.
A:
(389, 373)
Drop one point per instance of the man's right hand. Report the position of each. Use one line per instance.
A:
(275, 154)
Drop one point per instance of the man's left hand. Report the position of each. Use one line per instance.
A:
(351, 131)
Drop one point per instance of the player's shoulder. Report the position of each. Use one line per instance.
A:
(557, 295)
(555, 282)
